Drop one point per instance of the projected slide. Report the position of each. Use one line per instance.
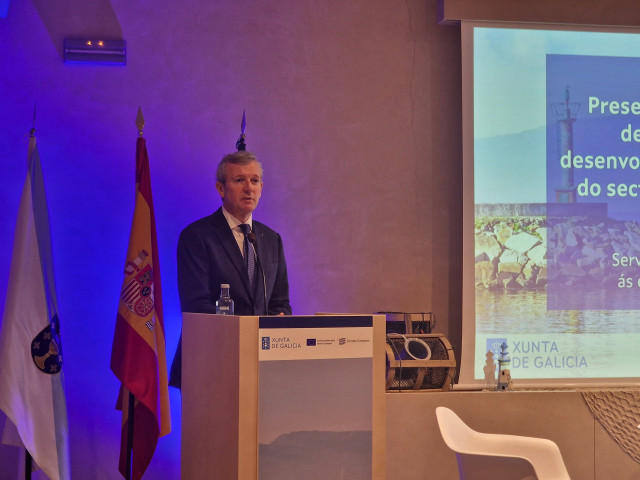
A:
(556, 145)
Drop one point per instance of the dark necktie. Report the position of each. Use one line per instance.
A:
(249, 254)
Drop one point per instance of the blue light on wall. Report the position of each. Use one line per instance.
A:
(4, 8)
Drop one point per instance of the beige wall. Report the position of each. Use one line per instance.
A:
(354, 107)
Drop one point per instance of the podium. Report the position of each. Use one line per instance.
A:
(283, 397)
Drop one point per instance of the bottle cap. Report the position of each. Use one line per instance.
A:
(224, 285)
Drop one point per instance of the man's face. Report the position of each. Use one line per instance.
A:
(242, 189)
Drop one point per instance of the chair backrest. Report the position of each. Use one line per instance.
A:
(541, 455)
(458, 436)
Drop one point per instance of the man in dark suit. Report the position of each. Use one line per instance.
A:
(210, 253)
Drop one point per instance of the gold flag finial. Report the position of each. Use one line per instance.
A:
(139, 122)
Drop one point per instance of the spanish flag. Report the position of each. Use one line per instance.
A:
(138, 356)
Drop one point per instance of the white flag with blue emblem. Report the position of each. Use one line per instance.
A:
(31, 381)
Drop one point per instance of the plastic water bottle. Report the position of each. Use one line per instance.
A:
(224, 305)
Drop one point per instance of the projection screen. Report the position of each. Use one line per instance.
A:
(551, 127)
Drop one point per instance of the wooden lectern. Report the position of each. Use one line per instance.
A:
(275, 397)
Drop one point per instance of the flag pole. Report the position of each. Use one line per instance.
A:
(240, 145)
(28, 460)
(142, 371)
(28, 465)
(131, 409)
(33, 126)
(132, 398)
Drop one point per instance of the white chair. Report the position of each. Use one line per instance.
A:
(489, 455)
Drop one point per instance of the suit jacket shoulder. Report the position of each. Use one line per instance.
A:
(208, 256)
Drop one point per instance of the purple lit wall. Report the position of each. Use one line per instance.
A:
(352, 107)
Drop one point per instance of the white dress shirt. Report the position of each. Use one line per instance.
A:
(234, 225)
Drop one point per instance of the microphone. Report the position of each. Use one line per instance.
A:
(252, 240)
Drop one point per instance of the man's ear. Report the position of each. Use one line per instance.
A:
(220, 189)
